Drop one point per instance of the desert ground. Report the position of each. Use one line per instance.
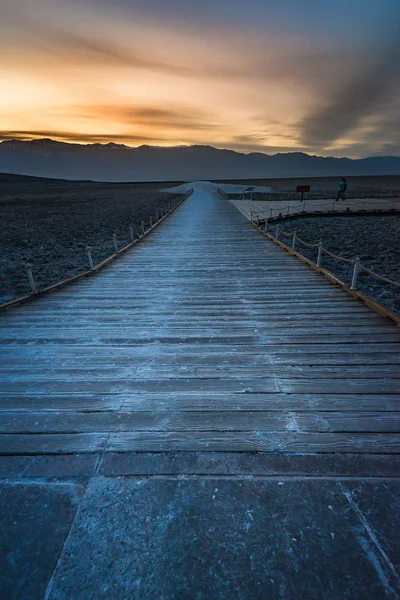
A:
(50, 221)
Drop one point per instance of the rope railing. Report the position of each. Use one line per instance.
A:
(145, 228)
(357, 265)
(295, 196)
(294, 209)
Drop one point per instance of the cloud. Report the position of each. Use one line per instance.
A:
(69, 136)
(369, 88)
(153, 117)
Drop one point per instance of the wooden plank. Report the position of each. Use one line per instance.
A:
(338, 386)
(260, 402)
(342, 358)
(11, 444)
(75, 422)
(124, 386)
(259, 441)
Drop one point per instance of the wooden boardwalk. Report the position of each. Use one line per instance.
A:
(206, 336)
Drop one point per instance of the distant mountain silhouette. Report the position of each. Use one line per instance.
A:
(116, 162)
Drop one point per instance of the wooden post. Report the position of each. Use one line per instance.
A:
(115, 243)
(31, 280)
(319, 254)
(89, 255)
(142, 227)
(131, 233)
(266, 226)
(288, 208)
(277, 232)
(356, 269)
(294, 240)
(151, 222)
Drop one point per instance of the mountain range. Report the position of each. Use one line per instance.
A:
(117, 162)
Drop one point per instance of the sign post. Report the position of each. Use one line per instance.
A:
(303, 189)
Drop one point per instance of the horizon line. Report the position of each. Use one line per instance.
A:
(156, 146)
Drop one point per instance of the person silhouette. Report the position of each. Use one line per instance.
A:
(341, 190)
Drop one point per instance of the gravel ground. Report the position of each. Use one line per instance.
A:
(49, 224)
(374, 239)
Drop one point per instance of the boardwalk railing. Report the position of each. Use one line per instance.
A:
(145, 229)
(357, 266)
(312, 208)
(282, 196)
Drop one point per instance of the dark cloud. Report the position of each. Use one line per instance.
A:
(68, 136)
(368, 89)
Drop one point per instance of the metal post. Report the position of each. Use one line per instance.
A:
(142, 227)
(294, 240)
(151, 222)
(356, 269)
(131, 233)
(115, 243)
(89, 255)
(319, 254)
(31, 280)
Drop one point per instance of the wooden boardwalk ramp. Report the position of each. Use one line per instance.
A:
(205, 337)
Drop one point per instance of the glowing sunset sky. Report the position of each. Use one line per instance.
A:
(321, 76)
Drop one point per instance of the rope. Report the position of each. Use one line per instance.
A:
(381, 277)
(306, 243)
(60, 263)
(349, 260)
(17, 274)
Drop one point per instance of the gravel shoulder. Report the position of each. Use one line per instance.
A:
(53, 223)
(373, 238)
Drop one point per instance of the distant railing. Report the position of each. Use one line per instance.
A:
(304, 207)
(145, 228)
(290, 196)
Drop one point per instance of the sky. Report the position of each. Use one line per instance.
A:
(317, 76)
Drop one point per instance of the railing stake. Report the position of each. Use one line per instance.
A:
(115, 243)
(31, 280)
(142, 227)
(294, 240)
(151, 222)
(277, 232)
(90, 259)
(131, 233)
(319, 254)
(356, 269)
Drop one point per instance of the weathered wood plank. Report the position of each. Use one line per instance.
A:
(259, 441)
(75, 422)
(11, 444)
